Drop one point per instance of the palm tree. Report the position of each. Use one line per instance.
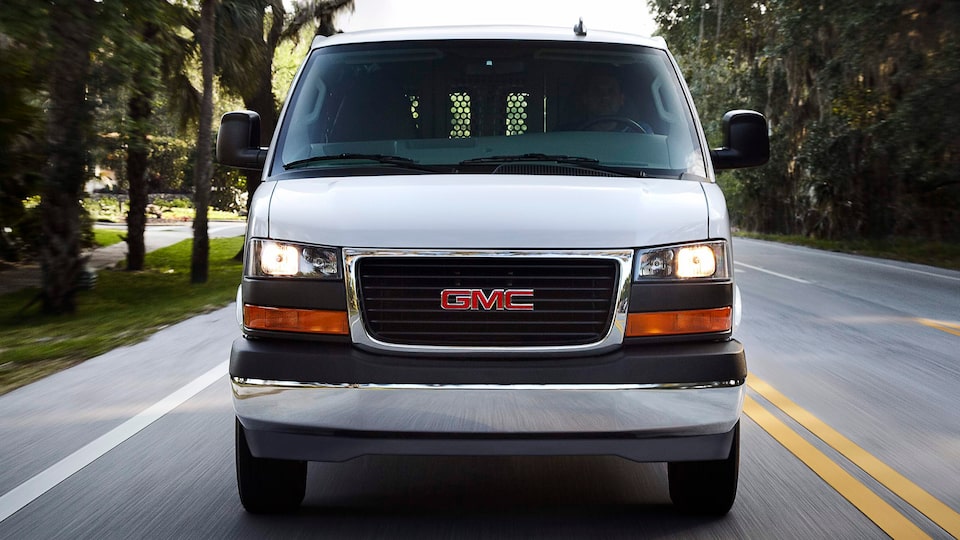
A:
(73, 32)
(199, 263)
(249, 32)
(143, 83)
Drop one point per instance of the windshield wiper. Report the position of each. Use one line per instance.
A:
(530, 157)
(400, 161)
(585, 162)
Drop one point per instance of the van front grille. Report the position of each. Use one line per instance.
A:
(558, 301)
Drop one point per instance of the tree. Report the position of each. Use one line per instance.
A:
(141, 59)
(20, 136)
(199, 265)
(858, 96)
(249, 32)
(73, 33)
(148, 40)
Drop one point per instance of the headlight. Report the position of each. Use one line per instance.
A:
(269, 258)
(688, 261)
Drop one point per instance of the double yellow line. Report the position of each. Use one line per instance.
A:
(875, 508)
(943, 326)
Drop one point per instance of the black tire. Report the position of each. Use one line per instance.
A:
(706, 487)
(268, 486)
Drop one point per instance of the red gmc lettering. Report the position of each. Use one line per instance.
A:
(477, 299)
(457, 299)
(511, 304)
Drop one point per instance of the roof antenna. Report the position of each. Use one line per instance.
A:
(578, 29)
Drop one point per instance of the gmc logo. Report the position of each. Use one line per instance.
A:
(476, 299)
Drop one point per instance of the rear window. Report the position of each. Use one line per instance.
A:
(445, 102)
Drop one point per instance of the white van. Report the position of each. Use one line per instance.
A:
(488, 241)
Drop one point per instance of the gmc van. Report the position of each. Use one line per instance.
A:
(488, 241)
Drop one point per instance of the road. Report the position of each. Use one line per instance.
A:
(862, 354)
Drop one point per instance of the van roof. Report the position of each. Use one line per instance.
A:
(544, 33)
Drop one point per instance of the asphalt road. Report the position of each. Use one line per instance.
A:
(138, 443)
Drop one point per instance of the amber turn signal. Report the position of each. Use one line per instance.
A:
(311, 321)
(669, 323)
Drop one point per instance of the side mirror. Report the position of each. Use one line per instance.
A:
(745, 141)
(238, 141)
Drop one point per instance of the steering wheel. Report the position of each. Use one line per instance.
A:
(621, 124)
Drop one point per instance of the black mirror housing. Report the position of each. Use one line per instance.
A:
(238, 141)
(746, 142)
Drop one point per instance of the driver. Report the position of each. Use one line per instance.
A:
(603, 105)
(602, 97)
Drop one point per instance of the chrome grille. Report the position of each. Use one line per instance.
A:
(573, 300)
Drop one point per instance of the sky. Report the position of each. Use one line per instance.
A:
(630, 16)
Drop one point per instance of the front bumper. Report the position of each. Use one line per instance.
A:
(673, 402)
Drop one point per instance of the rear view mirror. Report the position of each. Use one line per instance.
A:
(238, 141)
(746, 142)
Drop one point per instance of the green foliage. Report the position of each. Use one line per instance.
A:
(169, 164)
(105, 208)
(859, 96)
(178, 202)
(229, 190)
(20, 126)
(114, 209)
(287, 60)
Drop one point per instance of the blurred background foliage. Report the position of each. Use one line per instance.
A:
(105, 95)
(860, 98)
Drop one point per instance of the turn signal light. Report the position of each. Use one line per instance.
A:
(670, 323)
(311, 321)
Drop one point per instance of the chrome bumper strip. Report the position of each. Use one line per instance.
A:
(645, 410)
(240, 381)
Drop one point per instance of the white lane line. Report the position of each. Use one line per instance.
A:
(895, 267)
(857, 259)
(765, 271)
(27, 492)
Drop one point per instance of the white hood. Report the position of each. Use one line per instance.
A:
(484, 212)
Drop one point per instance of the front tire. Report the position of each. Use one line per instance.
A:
(706, 487)
(268, 486)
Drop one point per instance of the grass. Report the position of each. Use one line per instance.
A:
(939, 254)
(108, 237)
(33, 345)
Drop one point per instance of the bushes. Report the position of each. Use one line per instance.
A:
(113, 208)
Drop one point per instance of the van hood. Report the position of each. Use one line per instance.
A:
(483, 212)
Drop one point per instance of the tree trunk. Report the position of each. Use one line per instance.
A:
(68, 119)
(199, 267)
(138, 151)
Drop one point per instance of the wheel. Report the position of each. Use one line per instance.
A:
(706, 487)
(268, 485)
(614, 123)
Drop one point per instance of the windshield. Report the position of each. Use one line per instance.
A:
(473, 104)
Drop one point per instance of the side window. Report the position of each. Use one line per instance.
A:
(516, 117)
(460, 115)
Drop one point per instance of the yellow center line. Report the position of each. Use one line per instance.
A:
(938, 512)
(943, 326)
(876, 509)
